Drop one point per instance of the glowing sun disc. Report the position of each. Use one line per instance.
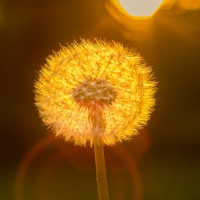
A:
(140, 8)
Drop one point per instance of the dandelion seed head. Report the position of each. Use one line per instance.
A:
(95, 88)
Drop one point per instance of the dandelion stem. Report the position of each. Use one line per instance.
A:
(100, 169)
(96, 118)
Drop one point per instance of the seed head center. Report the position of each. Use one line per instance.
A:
(97, 91)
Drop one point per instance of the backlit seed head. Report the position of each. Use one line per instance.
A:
(95, 88)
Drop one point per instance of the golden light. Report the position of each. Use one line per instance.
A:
(189, 4)
(140, 8)
(181, 5)
(95, 89)
(135, 15)
(138, 15)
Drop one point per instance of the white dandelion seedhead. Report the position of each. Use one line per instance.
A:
(95, 89)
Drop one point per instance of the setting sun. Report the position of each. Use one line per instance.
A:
(141, 8)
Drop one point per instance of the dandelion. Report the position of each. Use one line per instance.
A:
(95, 93)
(95, 88)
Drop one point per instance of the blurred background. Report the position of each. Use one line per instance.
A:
(162, 162)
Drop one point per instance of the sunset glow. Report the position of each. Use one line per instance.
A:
(140, 8)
